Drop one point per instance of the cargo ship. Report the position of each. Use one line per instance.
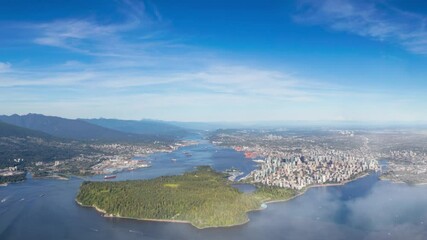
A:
(109, 176)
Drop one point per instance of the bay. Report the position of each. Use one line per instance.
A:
(367, 208)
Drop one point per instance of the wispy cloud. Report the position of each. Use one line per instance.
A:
(78, 35)
(132, 58)
(217, 79)
(252, 81)
(132, 37)
(95, 39)
(5, 66)
(374, 19)
(133, 68)
(132, 55)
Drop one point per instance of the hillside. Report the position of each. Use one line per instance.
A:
(9, 130)
(74, 129)
(146, 127)
(34, 146)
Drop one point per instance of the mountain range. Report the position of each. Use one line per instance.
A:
(9, 130)
(145, 127)
(40, 138)
(106, 130)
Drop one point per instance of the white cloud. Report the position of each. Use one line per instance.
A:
(237, 91)
(216, 79)
(142, 75)
(124, 63)
(246, 80)
(374, 19)
(84, 36)
(104, 38)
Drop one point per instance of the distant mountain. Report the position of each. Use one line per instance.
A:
(35, 146)
(149, 127)
(206, 126)
(9, 130)
(73, 129)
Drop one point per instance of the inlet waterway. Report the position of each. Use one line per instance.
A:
(367, 208)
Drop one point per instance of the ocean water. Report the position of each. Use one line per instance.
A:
(364, 209)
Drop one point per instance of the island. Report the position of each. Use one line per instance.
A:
(204, 198)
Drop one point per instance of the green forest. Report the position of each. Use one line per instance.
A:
(204, 198)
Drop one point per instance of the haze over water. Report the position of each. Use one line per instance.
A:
(364, 209)
(71, 72)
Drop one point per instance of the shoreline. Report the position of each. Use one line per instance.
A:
(56, 177)
(108, 215)
(402, 182)
(9, 183)
(105, 214)
(317, 186)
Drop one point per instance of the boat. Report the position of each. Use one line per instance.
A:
(259, 161)
(109, 176)
(231, 170)
(173, 159)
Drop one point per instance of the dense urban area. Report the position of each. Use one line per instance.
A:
(300, 158)
(289, 158)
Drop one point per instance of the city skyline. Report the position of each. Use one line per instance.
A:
(235, 61)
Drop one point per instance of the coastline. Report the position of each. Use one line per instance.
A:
(304, 190)
(57, 177)
(105, 214)
(8, 183)
(341, 183)
(402, 182)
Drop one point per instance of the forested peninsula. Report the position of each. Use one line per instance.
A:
(204, 198)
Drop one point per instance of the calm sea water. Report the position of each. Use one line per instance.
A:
(363, 209)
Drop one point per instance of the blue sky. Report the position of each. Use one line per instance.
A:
(192, 60)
